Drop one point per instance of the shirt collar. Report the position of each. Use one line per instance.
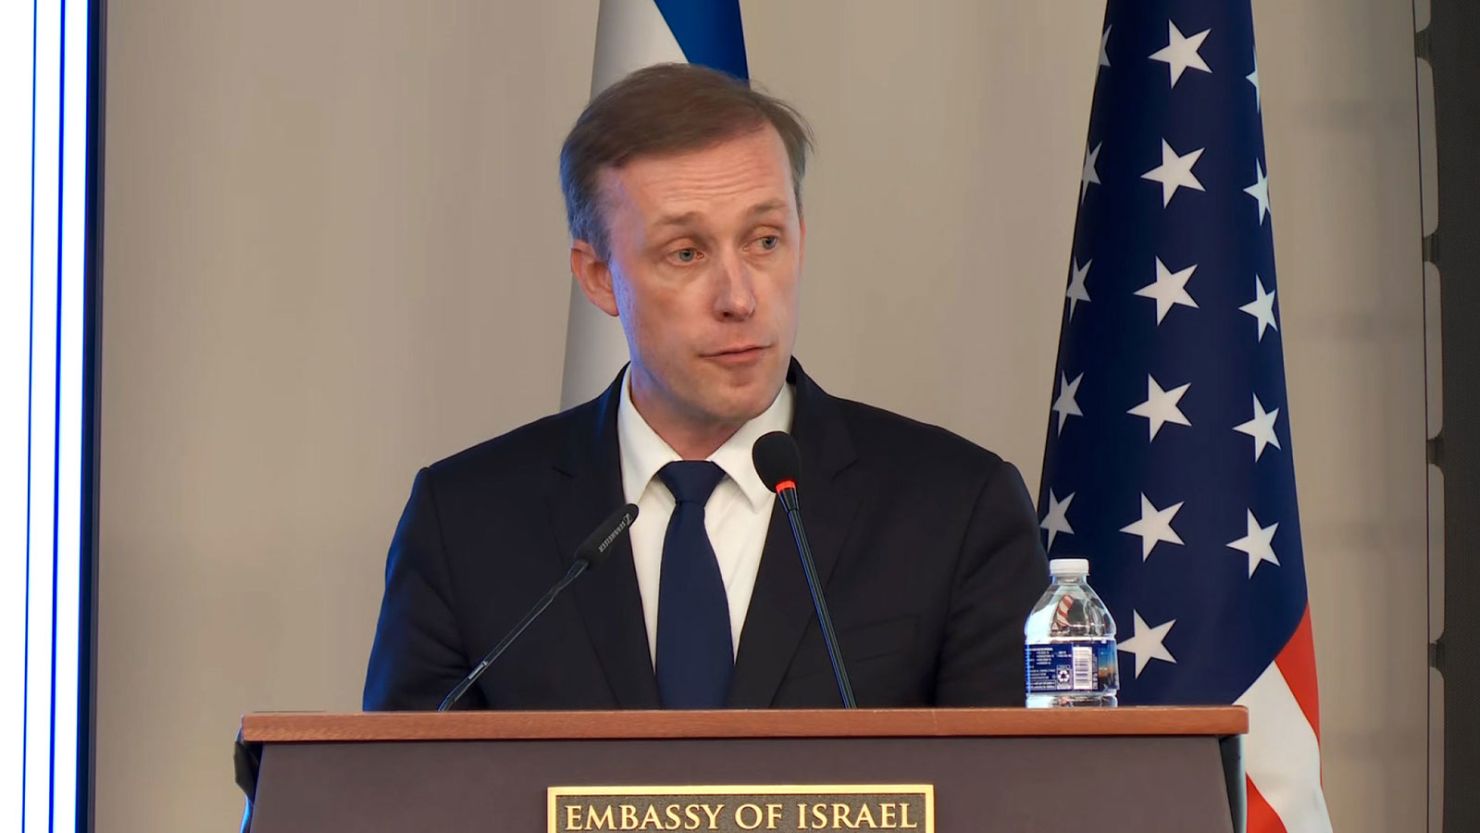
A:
(643, 452)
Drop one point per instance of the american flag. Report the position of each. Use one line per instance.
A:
(1168, 461)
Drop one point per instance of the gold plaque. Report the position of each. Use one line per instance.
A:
(787, 808)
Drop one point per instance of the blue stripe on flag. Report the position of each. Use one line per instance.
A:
(709, 33)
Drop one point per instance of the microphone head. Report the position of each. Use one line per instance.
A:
(776, 459)
(599, 544)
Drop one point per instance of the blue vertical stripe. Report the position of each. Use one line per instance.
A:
(709, 33)
(89, 422)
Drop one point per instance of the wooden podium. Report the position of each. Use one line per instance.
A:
(1137, 770)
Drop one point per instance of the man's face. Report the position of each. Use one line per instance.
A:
(705, 258)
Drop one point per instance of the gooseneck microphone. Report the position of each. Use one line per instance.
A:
(779, 465)
(589, 555)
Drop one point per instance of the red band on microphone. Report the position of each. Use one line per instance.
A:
(786, 484)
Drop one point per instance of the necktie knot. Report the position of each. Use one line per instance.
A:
(691, 481)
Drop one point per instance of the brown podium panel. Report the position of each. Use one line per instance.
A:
(998, 770)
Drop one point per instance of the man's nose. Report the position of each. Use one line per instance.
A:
(734, 295)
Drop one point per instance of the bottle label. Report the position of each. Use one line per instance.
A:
(1084, 665)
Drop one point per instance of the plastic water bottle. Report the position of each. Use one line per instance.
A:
(1070, 642)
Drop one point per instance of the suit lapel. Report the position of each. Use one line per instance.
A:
(590, 488)
(780, 607)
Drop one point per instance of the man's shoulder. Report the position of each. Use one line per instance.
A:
(525, 451)
(905, 444)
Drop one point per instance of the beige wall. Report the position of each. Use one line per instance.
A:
(334, 253)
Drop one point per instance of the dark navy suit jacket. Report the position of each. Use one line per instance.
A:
(927, 546)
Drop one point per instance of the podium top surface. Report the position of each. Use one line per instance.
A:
(318, 727)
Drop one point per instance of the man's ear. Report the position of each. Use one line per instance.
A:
(594, 276)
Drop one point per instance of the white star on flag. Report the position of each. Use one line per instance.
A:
(1147, 643)
(1154, 527)
(1077, 291)
(1089, 176)
(1260, 191)
(1160, 406)
(1169, 289)
(1180, 53)
(1262, 307)
(1105, 46)
(1253, 78)
(1057, 519)
(1261, 428)
(1257, 543)
(1065, 406)
(1175, 171)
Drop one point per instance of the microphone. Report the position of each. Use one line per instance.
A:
(779, 465)
(589, 555)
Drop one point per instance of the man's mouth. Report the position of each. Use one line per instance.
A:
(738, 355)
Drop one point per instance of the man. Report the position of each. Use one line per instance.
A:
(682, 190)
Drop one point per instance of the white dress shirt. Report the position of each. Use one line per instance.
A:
(736, 517)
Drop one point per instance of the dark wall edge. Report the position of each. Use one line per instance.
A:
(1455, 250)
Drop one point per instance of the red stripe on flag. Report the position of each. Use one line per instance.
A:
(1297, 663)
(1262, 817)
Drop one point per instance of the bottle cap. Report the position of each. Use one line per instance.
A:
(1069, 567)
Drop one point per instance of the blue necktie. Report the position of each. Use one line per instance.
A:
(694, 655)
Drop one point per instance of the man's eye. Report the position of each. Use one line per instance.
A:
(770, 242)
(686, 255)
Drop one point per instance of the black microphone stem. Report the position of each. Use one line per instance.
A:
(789, 502)
(539, 607)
